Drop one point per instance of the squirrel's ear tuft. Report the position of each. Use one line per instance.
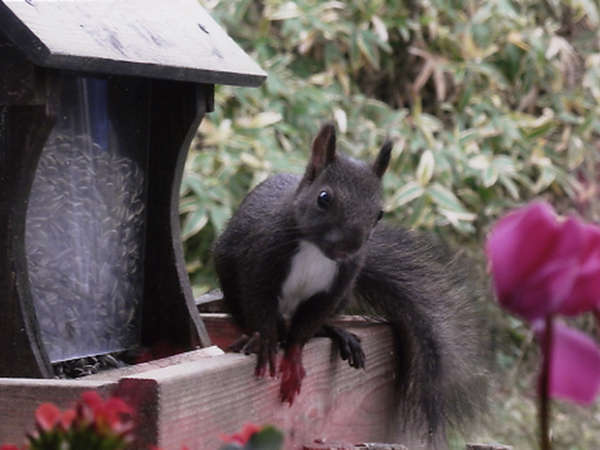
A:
(383, 158)
(323, 150)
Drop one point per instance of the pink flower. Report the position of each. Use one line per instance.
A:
(242, 436)
(113, 414)
(47, 416)
(67, 418)
(574, 364)
(542, 266)
(9, 447)
(116, 415)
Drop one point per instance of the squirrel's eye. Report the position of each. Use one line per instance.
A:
(323, 199)
(379, 215)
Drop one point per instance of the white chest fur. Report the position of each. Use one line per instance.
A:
(310, 272)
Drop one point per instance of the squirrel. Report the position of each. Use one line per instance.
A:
(299, 249)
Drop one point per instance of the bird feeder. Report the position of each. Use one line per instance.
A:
(99, 102)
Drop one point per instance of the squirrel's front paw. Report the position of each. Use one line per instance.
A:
(351, 350)
(348, 344)
(265, 349)
(292, 372)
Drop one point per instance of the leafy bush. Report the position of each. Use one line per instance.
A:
(491, 103)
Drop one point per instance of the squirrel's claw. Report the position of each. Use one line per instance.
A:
(245, 344)
(265, 349)
(348, 344)
(267, 355)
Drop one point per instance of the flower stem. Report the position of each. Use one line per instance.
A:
(544, 387)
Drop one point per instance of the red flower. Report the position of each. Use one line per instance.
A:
(113, 415)
(9, 447)
(47, 416)
(242, 436)
(89, 403)
(543, 266)
(67, 418)
(116, 415)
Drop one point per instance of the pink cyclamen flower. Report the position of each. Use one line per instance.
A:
(543, 265)
(574, 364)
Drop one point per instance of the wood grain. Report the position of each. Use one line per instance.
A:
(19, 399)
(194, 403)
(175, 40)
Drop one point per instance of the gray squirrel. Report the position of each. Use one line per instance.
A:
(300, 248)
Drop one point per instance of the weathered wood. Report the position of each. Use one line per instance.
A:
(175, 40)
(19, 399)
(20, 81)
(23, 131)
(194, 403)
(180, 358)
(194, 398)
(348, 446)
(488, 447)
(170, 318)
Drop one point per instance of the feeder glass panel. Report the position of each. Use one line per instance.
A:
(86, 218)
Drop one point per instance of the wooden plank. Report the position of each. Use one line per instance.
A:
(194, 403)
(175, 40)
(19, 399)
(488, 447)
(180, 358)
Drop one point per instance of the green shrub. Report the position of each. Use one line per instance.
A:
(491, 103)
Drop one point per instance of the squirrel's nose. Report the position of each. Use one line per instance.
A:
(348, 241)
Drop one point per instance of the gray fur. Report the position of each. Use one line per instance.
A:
(396, 275)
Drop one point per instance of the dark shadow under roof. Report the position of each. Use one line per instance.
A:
(170, 39)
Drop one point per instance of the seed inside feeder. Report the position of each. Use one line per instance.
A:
(85, 229)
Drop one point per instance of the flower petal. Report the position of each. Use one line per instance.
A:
(47, 416)
(67, 418)
(518, 244)
(585, 295)
(575, 365)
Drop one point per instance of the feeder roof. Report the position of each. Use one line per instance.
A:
(174, 39)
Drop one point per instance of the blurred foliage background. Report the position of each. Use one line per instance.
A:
(491, 103)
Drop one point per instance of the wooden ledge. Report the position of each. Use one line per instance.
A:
(194, 398)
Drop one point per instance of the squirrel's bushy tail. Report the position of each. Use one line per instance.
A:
(421, 291)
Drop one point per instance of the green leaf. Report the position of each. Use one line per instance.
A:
(193, 223)
(510, 186)
(269, 438)
(406, 194)
(445, 199)
(219, 215)
(425, 168)
(489, 176)
(368, 48)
